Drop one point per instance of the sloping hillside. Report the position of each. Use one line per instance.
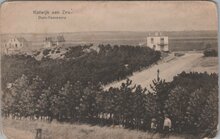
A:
(15, 129)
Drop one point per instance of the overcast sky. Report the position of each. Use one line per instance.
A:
(18, 17)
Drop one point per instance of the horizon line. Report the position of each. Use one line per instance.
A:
(108, 31)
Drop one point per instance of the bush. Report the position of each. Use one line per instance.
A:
(58, 51)
(46, 52)
(37, 53)
(210, 53)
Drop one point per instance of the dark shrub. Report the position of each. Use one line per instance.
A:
(46, 52)
(58, 51)
(210, 53)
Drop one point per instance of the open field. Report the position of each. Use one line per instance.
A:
(171, 66)
(206, 64)
(23, 129)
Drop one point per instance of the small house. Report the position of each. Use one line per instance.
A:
(15, 44)
(53, 42)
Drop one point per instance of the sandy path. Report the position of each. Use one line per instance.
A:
(167, 70)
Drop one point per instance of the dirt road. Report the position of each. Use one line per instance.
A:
(168, 68)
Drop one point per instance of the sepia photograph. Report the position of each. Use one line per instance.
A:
(109, 70)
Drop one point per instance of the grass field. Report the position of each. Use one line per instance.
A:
(24, 129)
(206, 64)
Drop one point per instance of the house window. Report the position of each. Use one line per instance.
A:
(152, 40)
(162, 40)
(16, 45)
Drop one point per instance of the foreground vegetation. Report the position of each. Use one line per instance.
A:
(191, 101)
(26, 129)
(70, 90)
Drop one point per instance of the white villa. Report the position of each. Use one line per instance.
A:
(158, 42)
(14, 45)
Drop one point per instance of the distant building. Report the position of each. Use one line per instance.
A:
(158, 42)
(51, 42)
(15, 45)
(60, 40)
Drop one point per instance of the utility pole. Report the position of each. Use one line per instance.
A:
(158, 74)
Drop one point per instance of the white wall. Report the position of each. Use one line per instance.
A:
(47, 44)
(156, 43)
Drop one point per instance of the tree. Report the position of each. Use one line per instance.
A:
(139, 107)
(13, 98)
(160, 89)
(44, 104)
(35, 90)
(74, 97)
(176, 106)
(197, 114)
(209, 114)
(88, 105)
(151, 109)
(126, 103)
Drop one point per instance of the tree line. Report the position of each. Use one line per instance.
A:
(190, 100)
(109, 64)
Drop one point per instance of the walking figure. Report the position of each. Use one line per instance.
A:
(153, 125)
(167, 125)
(38, 133)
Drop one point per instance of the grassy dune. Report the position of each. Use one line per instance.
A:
(208, 64)
(24, 129)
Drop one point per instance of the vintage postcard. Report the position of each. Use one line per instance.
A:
(109, 70)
